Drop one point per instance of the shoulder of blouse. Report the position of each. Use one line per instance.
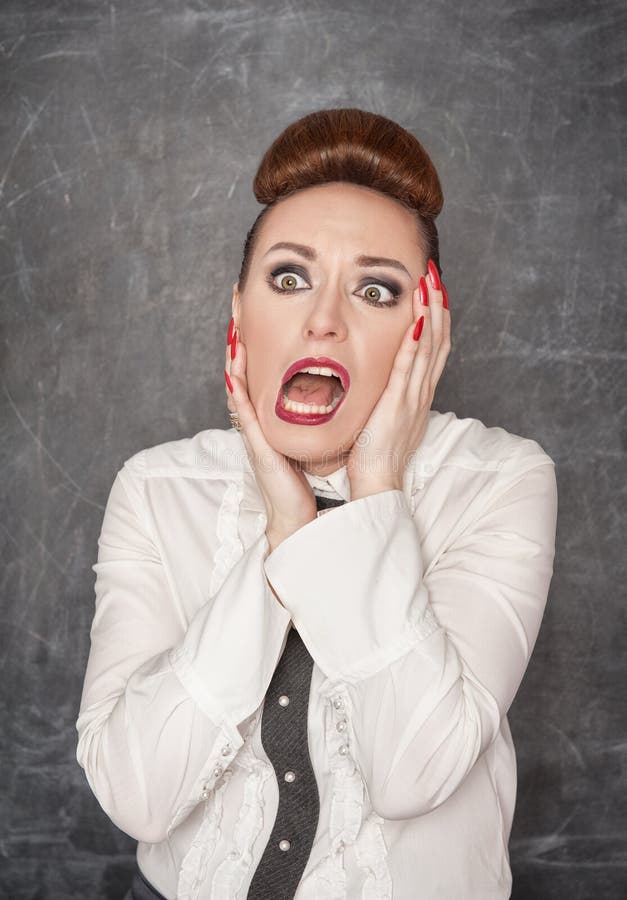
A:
(449, 442)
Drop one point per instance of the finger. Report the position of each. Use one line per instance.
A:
(250, 428)
(422, 379)
(443, 350)
(230, 403)
(412, 355)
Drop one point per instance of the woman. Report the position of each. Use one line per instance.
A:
(309, 628)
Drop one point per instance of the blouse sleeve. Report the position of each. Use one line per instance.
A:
(426, 664)
(162, 699)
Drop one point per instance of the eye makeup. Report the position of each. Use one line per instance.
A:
(392, 286)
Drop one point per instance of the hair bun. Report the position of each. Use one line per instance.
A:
(350, 145)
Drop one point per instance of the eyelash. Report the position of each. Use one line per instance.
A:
(295, 270)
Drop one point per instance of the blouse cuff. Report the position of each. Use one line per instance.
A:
(352, 580)
(232, 645)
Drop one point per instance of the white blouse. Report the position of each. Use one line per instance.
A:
(420, 608)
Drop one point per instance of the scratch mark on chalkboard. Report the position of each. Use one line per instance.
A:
(39, 184)
(48, 553)
(165, 57)
(23, 272)
(79, 491)
(92, 134)
(460, 131)
(234, 120)
(9, 54)
(29, 126)
(64, 54)
(56, 54)
(232, 188)
(571, 744)
(41, 638)
(201, 75)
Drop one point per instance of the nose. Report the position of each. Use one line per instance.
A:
(325, 319)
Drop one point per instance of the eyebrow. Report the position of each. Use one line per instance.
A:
(362, 261)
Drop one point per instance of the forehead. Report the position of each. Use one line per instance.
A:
(340, 211)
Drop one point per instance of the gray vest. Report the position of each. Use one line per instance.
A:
(284, 738)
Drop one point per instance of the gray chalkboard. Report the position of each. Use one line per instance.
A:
(130, 136)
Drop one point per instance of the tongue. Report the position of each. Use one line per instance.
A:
(306, 387)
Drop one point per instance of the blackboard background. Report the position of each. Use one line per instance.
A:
(130, 136)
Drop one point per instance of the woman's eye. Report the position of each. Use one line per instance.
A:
(374, 293)
(286, 281)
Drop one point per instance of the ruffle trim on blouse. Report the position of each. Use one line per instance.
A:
(231, 548)
(231, 872)
(346, 827)
(194, 865)
(371, 855)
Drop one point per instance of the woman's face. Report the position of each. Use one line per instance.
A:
(320, 299)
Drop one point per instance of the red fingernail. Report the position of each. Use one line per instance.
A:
(444, 297)
(229, 383)
(424, 291)
(418, 328)
(229, 336)
(234, 345)
(433, 275)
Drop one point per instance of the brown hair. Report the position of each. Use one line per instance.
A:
(349, 145)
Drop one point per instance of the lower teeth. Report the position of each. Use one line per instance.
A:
(293, 406)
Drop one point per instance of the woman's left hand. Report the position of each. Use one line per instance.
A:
(398, 422)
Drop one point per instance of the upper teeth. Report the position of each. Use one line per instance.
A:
(320, 370)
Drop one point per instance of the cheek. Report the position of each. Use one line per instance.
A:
(263, 354)
(379, 359)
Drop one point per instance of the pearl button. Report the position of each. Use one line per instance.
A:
(284, 845)
(341, 726)
(218, 770)
(284, 700)
(337, 703)
(290, 776)
(226, 750)
(205, 794)
(343, 750)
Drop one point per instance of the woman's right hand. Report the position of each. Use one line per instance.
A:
(289, 500)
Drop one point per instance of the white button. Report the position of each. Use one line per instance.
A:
(284, 700)
(341, 725)
(226, 750)
(343, 750)
(218, 770)
(337, 703)
(290, 776)
(205, 794)
(284, 845)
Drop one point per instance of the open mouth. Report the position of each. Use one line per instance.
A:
(312, 389)
(320, 393)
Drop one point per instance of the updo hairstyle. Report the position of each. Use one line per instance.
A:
(349, 145)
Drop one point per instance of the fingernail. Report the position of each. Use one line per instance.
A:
(433, 275)
(418, 328)
(229, 336)
(444, 297)
(234, 345)
(229, 383)
(424, 291)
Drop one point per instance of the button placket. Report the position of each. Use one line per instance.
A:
(218, 771)
(341, 724)
(285, 739)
